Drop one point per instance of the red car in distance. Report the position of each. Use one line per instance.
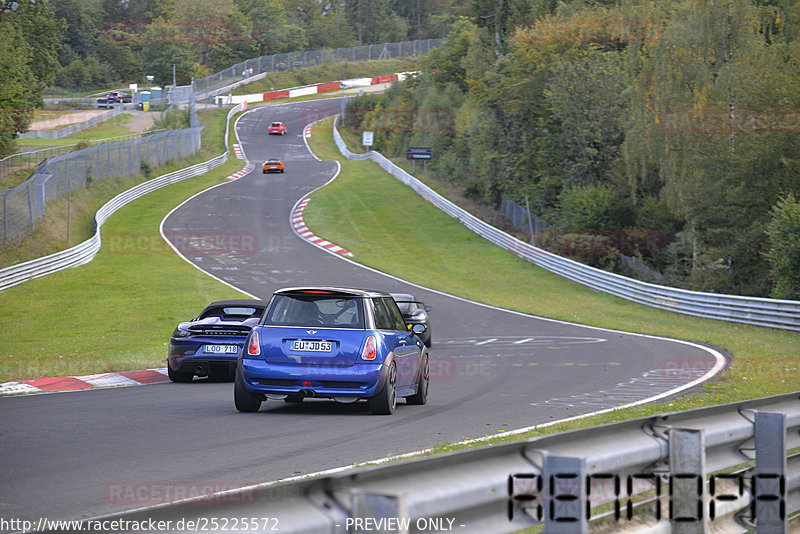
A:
(277, 128)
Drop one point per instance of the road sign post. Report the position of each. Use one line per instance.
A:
(415, 153)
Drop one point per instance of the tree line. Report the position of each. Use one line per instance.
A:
(677, 120)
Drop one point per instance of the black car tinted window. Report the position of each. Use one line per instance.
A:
(315, 310)
(408, 307)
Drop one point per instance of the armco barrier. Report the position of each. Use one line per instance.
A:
(84, 252)
(555, 480)
(773, 313)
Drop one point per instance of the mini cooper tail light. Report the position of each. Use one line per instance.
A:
(369, 353)
(254, 347)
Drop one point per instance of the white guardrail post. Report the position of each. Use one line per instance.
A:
(656, 474)
(773, 313)
(84, 252)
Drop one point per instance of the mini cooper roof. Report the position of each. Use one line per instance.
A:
(354, 291)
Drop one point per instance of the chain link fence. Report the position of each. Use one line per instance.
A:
(29, 160)
(522, 219)
(24, 205)
(307, 58)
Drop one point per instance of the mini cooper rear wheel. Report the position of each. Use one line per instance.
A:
(244, 400)
(385, 401)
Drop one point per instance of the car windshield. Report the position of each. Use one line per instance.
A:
(315, 310)
(408, 307)
(275, 124)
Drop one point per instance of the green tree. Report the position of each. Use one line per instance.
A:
(40, 28)
(374, 22)
(83, 26)
(161, 52)
(272, 32)
(585, 94)
(783, 231)
(18, 94)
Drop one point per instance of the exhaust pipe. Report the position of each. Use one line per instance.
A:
(306, 393)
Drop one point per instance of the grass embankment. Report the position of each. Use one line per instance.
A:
(116, 312)
(365, 210)
(326, 73)
(51, 234)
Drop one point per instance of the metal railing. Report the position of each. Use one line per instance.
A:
(773, 313)
(246, 71)
(566, 482)
(84, 252)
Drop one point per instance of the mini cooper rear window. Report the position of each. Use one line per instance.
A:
(331, 311)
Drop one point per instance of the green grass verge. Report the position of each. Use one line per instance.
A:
(365, 210)
(326, 73)
(116, 312)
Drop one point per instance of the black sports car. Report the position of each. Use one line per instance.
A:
(209, 344)
(415, 312)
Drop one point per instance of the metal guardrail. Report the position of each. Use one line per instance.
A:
(773, 313)
(84, 252)
(566, 482)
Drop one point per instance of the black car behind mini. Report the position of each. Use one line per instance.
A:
(209, 344)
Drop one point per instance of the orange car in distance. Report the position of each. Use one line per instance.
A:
(272, 165)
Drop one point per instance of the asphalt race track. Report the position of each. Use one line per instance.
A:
(83, 454)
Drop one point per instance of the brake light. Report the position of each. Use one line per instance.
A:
(369, 353)
(254, 347)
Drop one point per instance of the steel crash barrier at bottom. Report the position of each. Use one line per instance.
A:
(725, 468)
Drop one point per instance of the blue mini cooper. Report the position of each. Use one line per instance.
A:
(336, 343)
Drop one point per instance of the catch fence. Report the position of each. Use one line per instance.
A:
(24, 206)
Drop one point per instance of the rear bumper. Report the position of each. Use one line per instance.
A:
(361, 380)
(204, 365)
